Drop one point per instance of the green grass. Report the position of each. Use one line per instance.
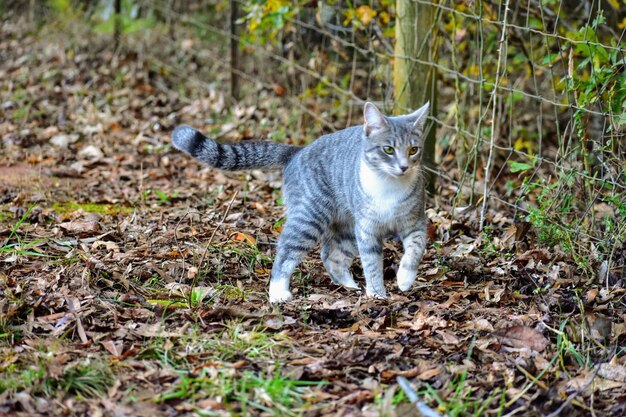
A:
(86, 379)
(243, 393)
(21, 246)
(237, 342)
(5, 214)
(98, 208)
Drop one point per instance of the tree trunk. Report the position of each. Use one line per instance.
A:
(414, 82)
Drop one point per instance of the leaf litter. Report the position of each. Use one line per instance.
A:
(158, 305)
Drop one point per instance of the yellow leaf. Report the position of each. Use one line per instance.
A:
(521, 144)
(614, 4)
(272, 6)
(349, 17)
(244, 237)
(622, 24)
(473, 70)
(384, 17)
(365, 14)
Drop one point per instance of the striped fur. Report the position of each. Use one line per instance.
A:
(347, 190)
(246, 155)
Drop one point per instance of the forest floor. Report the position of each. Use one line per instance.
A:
(133, 281)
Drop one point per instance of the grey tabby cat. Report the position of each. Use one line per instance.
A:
(348, 189)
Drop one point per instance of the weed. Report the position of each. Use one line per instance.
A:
(461, 401)
(87, 380)
(237, 342)
(488, 248)
(158, 349)
(21, 247)
(164, 198)
(244, 393)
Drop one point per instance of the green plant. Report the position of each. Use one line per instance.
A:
(20, 247)
(87, 379)
(163, 198)
(243, 392)
(235, 341)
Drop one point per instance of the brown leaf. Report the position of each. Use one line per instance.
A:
(429, 374)
(614, 372)
(114, 348)
(448, 338)
(279, 90)
(522, 337)
(590, 383)
(81, 228)
(452, 283)
(591, 295)
(244, 237)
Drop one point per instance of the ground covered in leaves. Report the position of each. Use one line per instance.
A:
(133, 281)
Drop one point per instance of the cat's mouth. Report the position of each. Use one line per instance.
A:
(400, 173)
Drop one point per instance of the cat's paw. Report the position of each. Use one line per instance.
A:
(377, 295)
(406, 278)
(349, 283)
(280, 296)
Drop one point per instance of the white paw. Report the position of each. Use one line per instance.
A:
(406, 278)
(377, 295)
(349, 283)
(280, 296)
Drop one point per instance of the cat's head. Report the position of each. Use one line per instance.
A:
(394, 145)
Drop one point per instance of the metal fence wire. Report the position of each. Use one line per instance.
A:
(531, 94)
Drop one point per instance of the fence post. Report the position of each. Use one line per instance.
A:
(117, 24)
(414, 80)
(234, 51)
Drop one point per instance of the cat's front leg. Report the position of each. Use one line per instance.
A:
(371, 252)
(414, 242)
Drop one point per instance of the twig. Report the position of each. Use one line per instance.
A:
(501, 48)
(230, 204)
(79, 325)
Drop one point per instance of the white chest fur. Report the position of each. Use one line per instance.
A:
(385, 192)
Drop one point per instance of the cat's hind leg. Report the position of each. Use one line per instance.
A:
(338, 252)
(297, 238)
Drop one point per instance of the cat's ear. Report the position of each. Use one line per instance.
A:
(419, 117)
(374, 119)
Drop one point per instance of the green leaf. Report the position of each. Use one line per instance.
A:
(515, 166)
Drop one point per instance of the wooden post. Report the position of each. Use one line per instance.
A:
(117, 24)
(414, 82)
(234, 51)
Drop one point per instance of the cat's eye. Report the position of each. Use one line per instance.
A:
(388, 150)
(413, 150)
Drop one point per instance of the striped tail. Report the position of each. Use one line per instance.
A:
(245, 155)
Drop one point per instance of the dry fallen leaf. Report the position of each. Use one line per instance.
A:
(114, 348)
(614, 372)
(81, 228)
(244, 237)
(522, 337)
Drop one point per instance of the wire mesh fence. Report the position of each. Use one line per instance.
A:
(531, 110)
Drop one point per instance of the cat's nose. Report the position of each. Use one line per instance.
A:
(403, 168)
